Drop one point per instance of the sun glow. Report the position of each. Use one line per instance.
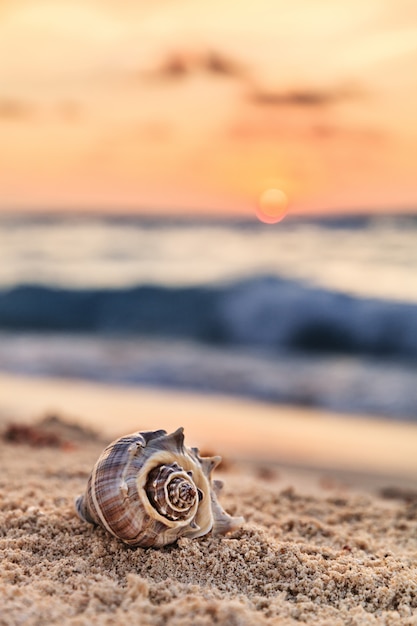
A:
(272, 206)
(104, 106)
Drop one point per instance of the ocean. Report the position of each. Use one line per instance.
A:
(313, 312)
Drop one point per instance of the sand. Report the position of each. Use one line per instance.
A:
(231, 426)
(316, 547)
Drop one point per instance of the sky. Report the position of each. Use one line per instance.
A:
(203, 106)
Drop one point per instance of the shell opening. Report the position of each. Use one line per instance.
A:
(172, 492)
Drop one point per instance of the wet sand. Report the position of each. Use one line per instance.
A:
(236, 427)
(329, 538)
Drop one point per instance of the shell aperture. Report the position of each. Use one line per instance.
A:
(171, 491)
(149, 489)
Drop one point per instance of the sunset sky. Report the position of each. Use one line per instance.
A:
(202, 105)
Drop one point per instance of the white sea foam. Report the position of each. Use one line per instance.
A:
(378, 259)
(306, 313)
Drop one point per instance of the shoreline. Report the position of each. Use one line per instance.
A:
(328, 535)
(239, 429)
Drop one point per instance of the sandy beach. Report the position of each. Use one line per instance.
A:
(330, 508)
(208, 229)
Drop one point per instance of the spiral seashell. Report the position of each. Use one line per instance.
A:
(148, 489)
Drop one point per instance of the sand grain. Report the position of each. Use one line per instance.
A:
(334, 557)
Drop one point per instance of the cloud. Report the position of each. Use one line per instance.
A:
(22, 110)
(15, 109)
(177, 65)
(216, 63)
(366, 134)
(293, 127)
(181, 64)
(303, 97)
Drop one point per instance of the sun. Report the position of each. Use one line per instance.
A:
(272, 206)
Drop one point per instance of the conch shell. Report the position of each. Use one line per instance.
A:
(148, 489)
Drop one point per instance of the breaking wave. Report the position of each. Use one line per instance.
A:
(267, 313)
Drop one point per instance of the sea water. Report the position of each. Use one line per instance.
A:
(314, 312)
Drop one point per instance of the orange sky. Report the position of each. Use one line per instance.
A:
(201, 105)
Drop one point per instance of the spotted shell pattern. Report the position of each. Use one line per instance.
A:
(148, 489)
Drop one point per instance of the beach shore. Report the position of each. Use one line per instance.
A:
(329, 501)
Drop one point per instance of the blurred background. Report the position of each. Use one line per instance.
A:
(212, 196)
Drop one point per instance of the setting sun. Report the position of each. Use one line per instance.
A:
(272, 206)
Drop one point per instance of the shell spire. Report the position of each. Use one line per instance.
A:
(149, 489)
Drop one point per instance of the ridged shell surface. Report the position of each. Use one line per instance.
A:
(148, 489)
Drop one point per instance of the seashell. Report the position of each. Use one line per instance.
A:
(148, 489)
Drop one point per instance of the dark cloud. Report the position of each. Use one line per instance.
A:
(175, 66)
(308, 98)
(15, 109)
(179, 65)
(216, 63)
